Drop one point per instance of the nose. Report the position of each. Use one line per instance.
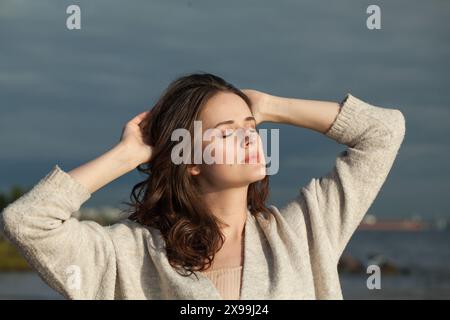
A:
(249, 138)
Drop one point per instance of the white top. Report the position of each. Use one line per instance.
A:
(227, 281)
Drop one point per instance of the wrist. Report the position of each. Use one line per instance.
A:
(269, 111)
(124, 156)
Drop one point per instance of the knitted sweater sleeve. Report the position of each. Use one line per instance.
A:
(72, 256)
(332, 206)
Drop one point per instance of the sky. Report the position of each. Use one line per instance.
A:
(66, 94)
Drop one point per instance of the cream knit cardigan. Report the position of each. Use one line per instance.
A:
(290, 254)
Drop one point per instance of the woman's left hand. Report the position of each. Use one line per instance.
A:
(260, 102)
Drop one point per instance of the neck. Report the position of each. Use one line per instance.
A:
(230, 206)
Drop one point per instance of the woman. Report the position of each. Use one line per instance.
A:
(203, 231)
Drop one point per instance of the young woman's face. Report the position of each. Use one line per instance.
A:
(234, 144)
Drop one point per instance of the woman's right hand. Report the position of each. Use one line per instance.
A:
(133, 140)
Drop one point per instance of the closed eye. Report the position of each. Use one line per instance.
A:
(227, 133)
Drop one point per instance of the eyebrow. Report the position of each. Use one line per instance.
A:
(232, 121)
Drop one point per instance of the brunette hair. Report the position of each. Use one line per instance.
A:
(168, 199)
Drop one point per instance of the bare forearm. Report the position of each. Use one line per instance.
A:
(312, 114)
(104, 169)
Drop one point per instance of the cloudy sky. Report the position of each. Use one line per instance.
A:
(66, 94)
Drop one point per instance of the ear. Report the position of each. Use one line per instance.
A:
(194, 170)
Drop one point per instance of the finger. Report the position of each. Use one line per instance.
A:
(141, 116)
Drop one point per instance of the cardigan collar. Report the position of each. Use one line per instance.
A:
(253, 279)
(267, 273)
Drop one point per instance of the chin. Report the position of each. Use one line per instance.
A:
(256, 173)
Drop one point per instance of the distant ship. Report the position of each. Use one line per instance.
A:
(370, 222)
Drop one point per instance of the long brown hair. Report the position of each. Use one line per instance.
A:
(169, 199)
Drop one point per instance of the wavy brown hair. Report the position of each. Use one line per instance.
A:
(168, 199)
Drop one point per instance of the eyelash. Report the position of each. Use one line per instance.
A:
(226, 136)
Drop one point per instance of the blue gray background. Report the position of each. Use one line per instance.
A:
(65, 95)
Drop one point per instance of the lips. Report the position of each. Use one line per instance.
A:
(253, 158)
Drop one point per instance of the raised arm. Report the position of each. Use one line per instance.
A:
(74, 257)
(130, 152)
(333, 205)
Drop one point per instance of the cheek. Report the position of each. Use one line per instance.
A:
(230, 150)
(260, 150)
(222, 151)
